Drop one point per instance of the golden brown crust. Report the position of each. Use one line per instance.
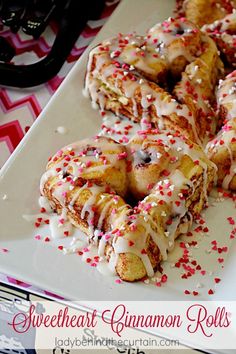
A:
(117, 87)
(222, 151)
(202, 12)
(91, 200)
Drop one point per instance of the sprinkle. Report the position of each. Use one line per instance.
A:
(118, 281)
(88, 260)
(42, 210)
(217, 280)
(199, 285)
(5, 250)
(37, 237)
(195, 293)
(60, 248)
(203, 272)
(144, 251)
(47, 239)
(133, 227)
(36, 224)
(210, 292)
(164, 278)
(122, 155)
(231, 221)
(220, 260)
(131, 243)
(187, 292)
(61, 130)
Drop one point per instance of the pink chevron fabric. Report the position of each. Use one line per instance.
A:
(19, 108)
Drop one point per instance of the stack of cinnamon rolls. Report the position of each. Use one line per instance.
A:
(134, 200)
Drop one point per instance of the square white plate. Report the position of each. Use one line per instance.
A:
(41, 265)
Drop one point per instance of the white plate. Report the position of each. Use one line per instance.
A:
(37, 262)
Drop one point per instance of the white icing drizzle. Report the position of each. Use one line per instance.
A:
(164, 34)
(226, 95)
(104, 78)
(224, 140)
(227, 136)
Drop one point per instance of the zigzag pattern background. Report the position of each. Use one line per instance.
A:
(19, 108)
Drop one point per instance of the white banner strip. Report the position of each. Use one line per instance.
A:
(208, 326)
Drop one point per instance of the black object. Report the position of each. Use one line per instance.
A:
(37, 16)
(12, 12)
(72, 17)
(7, 52)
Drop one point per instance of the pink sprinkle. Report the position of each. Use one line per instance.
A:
(231, 220)
(118, 281)
(147, 207)
(59, 153)
(158, 284)
(107, 237)
(93, 265)
(63, 194)
(37, 237)
(133, 227)
(91, 221)
(125, 139)
(61, 221)
(203, 272)
(122, 155)
(88, 163)
(164, 278)
(85, 249)
(5, 250)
